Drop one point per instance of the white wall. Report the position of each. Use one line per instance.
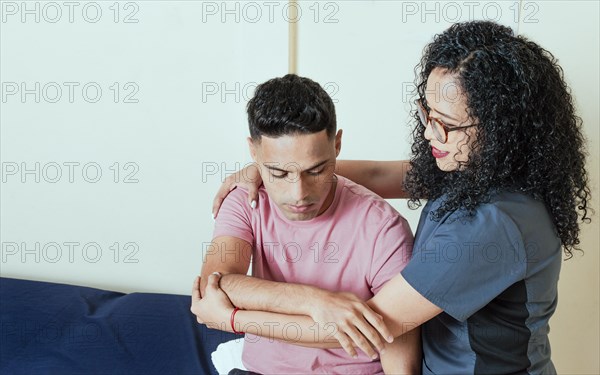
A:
(191, 67)
(180, 58)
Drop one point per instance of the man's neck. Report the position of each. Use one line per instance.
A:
(329, 200)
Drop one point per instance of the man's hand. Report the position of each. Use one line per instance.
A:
(354, 320)
(215, 308)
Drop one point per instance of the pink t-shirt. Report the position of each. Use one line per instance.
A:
(357, 245)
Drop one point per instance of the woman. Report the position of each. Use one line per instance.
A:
(498, 153)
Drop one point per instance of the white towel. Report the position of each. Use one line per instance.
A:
(228, 356)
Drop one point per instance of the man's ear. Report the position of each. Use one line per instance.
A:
(252, 147)
(338, 143)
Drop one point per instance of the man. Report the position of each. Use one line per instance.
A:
(312, 232)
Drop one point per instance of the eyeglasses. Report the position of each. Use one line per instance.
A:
(440, 130)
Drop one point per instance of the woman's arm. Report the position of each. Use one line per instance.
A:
(385, 178)
(398, 303)
(326, 323)
(404, 355)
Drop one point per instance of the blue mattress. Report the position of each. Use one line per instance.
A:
(50, 328)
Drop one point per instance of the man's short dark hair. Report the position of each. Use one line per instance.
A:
(290, 105)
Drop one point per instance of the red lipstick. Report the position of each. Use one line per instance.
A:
(437, 153)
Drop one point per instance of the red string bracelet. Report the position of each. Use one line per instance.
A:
(232, 321)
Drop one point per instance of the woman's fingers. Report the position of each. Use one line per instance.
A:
(359, 339)
(370, 335)
(253, 196)
(248, 178)
(376, 321)
(220, 197)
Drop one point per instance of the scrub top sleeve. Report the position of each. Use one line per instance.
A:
(463, 264)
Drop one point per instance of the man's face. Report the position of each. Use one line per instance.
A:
(297, 171)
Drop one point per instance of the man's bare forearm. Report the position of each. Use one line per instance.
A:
(294, 329)
(216, 311)
(252, 293)
(362, 328)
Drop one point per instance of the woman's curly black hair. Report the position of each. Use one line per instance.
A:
(529, 138)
